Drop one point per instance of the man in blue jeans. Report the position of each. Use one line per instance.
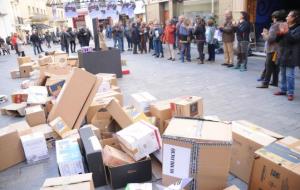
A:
(185, 40)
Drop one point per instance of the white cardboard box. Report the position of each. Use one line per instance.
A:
(141, 101)
(139, 139)
(68, 157)
(35, 147)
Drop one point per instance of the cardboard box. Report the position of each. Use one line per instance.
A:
(22, 60)
(73, 61)
(15, 74)
(69, 157)
(247, 138)
(54, 85)
(190, 106)
(70, 108)
(18, 97)
(11, 150)
(45, 60)
(56, 69)
(232, 187)
(119, 114)
(277, 166)
(60, 127)
(25, 69)
(35, 147)
(93, 154)
(112, 78)
(37, 95)
(141, 101)
(22, 127)
(50, 135)
(113, 157)
(135, 115)
(35, 115)
(74, 182)
(161, 110)
(98, 107)
(14, 109)
(109, 94)
(116, 88)
(192, 148)
(95, 130)
(104, 87)
(139, 139)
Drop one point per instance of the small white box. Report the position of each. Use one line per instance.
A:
(68, 157)
(35, 147)
(141, 101)
(139, 139)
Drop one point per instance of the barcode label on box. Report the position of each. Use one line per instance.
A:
(176, 161)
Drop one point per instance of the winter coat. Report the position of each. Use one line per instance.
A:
(243, 31)
(200, 33)
(169, 34)
(20, 44)
(289, 47)
(271, 44)
(228, 32)
(34, 38)
(135, 35)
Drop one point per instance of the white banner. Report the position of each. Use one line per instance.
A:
(54, 12)
(94, 10)
(70, 10)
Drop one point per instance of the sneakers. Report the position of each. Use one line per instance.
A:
(290, 97)
(280, 93)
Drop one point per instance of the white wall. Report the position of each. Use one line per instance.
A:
(6, 22)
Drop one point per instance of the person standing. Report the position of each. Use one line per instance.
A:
(40, 43)
(158, 32)
(48, 39)
(72, 40)
(242, 34)
(21, 48)
(199, 33)
(210, 33)
(150, 35)
(185, 40)
(127, 32)
(65, 41)
(144, 37)
(169, 38)
(289, 53)
(14, 42)
(228, 31)
(135, 34)
(178, 24)
(34, 38)
(271, 68)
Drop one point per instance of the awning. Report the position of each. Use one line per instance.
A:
(40, 26)
(38, 18)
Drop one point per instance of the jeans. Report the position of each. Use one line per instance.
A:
(129, 42)
(158, 48)
(36, 47)
(185, 51)
(120, 43)
(73, 46)
(287, 79)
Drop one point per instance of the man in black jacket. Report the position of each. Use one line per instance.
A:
(289, 53)
(242, 34)
(199, 33)
(35, 40)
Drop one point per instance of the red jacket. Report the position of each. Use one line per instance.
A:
(169, 36)
(14, 40)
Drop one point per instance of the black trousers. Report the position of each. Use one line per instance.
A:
(211, 52)
(73, 46)
(200, 47)
(272, 70)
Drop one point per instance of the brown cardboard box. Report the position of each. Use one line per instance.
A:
(59, 126)
(117, 112)
(45, 60)
(18, 97)
(190, 106)
(136, 116)
(22, 60)
(22, 127)
(73, 61)
(247, 138)
(11, 150)
(113, 157)
(25, 69)
(14, 109)
(15, 74)
(69, 107)
(74, 182)
(48, 132)
(192, 148)
(55, 69)
(232, 187)
(35, 115)
(101, 120)
(161, 110)
(98, 105)
(277, 166)
(116, 88)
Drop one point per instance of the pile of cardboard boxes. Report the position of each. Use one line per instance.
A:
(99, 141)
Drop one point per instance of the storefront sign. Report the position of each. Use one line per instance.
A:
(70, 10)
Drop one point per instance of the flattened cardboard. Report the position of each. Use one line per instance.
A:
(74, 182)
(117, 112)
(11, 150)
(68, 106)
(93, 155)
(185, 139)
(277, 166)
(247, 138)
(35, 115)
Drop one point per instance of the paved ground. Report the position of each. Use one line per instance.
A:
(227, 93)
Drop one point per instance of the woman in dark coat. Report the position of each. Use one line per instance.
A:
(289, 53)
(135, 37)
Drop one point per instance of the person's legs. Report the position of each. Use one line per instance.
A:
(23, 54)
(283, 85)
(213, 52)
(135, 48)
(226, 53)
(122, 43)
(275, 75)
(169, 51)
(239, 56)
(290, 74)
(230, 52)
(67, 48)
(156, 47)
(161, 49)
(244, 52)
(188, 52)
(182, 51)
(172, 51)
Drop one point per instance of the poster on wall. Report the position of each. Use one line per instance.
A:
(94, 10)
(131, 8)
(70, 10)
(111, 10)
